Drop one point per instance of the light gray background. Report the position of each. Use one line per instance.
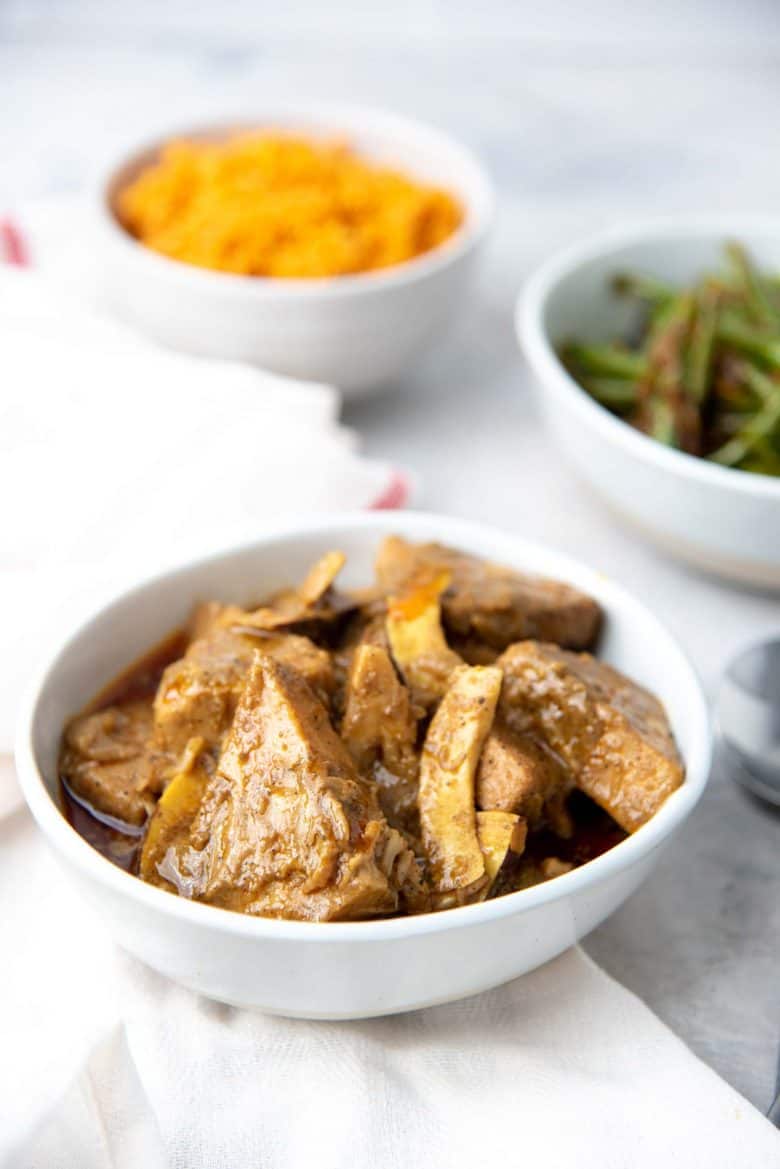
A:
(585, 114)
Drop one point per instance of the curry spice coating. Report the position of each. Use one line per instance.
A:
(334, 754)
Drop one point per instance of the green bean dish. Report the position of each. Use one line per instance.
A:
(701, 371)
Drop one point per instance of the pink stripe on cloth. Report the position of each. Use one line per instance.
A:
(13, 248)
(395, 495)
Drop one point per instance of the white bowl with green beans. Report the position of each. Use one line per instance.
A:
(656, 354)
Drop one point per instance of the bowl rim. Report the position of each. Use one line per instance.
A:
(475, 191)
(98, 869)
(534, 339)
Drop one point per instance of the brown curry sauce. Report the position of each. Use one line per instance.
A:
(595, 831)
(139, 680)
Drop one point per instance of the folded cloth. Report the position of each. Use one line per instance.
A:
(105, 1063)
(118, 458)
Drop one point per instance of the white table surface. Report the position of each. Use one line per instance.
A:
(585, 114)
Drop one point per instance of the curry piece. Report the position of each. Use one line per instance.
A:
(314, 601)
(286, 826)
(106, 760)
(364, 626)
(292, 649)
(486, 605)
(207, 616)
(177, 807)
(610, 733)
(499, 833)
(518, 774)
(417, 640)
(553, 866)
(449, 763)
(198, 694)
(380, 730)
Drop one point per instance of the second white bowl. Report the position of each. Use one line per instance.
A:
(357, 332)
(722, 520)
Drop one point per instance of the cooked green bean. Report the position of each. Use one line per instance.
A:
(702, 343)
(703, 372)
(655, 292)
(756, 300)
(620, 394)
(662, 424)
(750, 341)
(605, 361)
(759, 427)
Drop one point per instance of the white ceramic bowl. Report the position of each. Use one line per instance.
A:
(357, 332)
(719, 519)
(350, 970)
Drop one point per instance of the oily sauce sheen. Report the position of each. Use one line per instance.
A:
(140, 680)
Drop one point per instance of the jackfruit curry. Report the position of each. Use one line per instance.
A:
(437, 738)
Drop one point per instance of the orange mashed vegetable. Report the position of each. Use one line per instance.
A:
(271, 205)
